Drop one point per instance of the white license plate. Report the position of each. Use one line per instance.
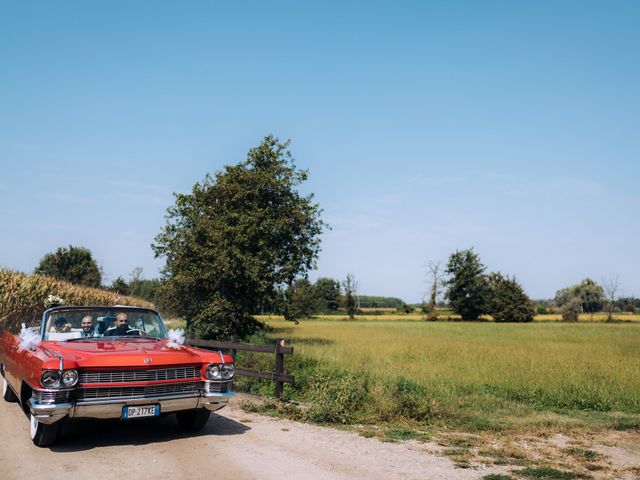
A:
(142, 411)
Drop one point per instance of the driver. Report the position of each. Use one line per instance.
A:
(121, 327)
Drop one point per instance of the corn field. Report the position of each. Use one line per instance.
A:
(22, 297)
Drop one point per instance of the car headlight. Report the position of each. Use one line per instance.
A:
(227, 371)
(50, 379)
(213, 372)
(69, 378)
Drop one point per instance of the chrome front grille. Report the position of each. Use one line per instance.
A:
(220, 387)
(123, 376)
(41, 396)
(85, 394)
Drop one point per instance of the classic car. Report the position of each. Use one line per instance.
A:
(110, 362)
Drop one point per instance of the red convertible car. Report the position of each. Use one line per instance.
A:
(109, 362)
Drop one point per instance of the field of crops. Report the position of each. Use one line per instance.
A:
(22, 297)
(480, 375)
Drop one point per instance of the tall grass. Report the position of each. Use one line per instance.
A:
(484, 374)
(22, 297)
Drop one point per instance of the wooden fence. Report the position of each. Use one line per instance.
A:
(232, 347)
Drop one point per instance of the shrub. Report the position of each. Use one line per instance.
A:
(337, 397)
(404, 308)
(571, 310)
(410, 399)
(432, 316)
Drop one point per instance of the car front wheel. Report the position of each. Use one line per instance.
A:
(193, 419)
(7, 393)
(43, 435)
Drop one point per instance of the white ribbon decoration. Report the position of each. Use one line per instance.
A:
(176, 338)
(29, 338)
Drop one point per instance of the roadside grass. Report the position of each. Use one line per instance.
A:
(548, 473)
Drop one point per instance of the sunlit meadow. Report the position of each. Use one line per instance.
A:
(484, 374)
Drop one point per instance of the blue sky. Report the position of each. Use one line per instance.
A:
(426, 126)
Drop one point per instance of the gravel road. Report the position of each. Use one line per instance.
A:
(234, 444)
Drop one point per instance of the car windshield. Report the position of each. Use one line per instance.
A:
(92, 323)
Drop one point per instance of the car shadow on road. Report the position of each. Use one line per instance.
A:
(80, 435)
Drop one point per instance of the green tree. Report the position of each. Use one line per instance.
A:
(507, 300)
(235, 238)
(73, 264)
(301, 301)
(466, 284)
(589, 294)
(571, 310)
(120, 285)
(328, 293)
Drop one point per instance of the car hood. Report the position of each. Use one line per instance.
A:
(128, 353)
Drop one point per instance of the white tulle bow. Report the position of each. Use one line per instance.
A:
(29, 338)
(176, 338)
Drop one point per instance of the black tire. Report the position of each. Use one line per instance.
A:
(193, 419)
(43, 435)
(7, 393)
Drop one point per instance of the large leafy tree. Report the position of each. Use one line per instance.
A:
(328, 293)
(301, 301)
(507, 300)
(235, 238)
(467, 288)
(73, 264)
(588, 294)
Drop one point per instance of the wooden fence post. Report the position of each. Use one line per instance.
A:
(279, 367)
(234, 339)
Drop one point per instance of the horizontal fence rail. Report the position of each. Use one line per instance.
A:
(279, 349)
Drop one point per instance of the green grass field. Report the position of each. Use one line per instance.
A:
(472, 376)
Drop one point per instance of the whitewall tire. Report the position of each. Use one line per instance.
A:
(7, 394)
(43, 435)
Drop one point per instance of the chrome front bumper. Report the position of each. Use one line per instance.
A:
(112, 408)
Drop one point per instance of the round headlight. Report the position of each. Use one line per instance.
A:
(69, 378)
(227, 371)
(50, 379)
(213, 372)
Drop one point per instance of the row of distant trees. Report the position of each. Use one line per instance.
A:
(468, 289)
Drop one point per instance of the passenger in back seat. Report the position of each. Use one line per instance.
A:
(60, 325)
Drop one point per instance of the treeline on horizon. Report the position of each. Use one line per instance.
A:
(326, 295)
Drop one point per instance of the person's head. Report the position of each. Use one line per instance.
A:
(87, 323)
(59, 324)
(122, 320)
